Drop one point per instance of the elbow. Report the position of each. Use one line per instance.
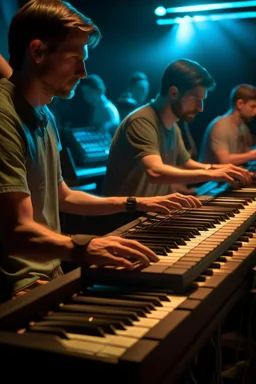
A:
(222, 159)
(154, 177)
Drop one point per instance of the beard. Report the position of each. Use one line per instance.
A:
(180, 114)
(246, 119)
(64, 90)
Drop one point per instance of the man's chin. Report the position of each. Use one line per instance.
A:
(66, 95)
(188, 118)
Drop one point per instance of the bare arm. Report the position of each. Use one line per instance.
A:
(5, 68)
(81, 203)
(192, 164)
(24, 237)
(224, 157)
(160, 173)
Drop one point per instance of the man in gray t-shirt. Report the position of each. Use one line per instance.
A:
(227, 138)
(147, 155)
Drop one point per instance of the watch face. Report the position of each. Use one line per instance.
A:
(131, 204)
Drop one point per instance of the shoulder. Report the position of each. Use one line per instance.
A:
(143, 115)
(52, 126)
(217, 123)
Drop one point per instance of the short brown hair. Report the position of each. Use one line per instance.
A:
(244, 92)
(186, 74)
(49, 21)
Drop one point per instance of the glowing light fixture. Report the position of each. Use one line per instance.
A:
(231, 10)
(213, 17)
(161, 11)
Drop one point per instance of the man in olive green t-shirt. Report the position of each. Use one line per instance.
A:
(47, 57)
(147, 155)
(142, 134)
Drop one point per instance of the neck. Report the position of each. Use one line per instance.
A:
(162, 105)
(30, 87)
(235, 117)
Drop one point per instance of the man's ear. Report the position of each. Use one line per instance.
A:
(239, 104)
(173, 92)
(37, 49)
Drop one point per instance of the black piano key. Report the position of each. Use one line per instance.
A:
(202, 217)
(171, 240)
(244, 238)
(126, 320)
(221, 258)
(200, 278)
(118, 303)
(182, 229)
(160, 251)
(248, 234)
(228, 253)
(155, 242)
(49, 330)
(102, 322)
(215, 265)
(129, 296)
(170, 236)
(134, 315)
(188, 233)
(208, 272)
(162, 296)
(233, 247)
(72, 327)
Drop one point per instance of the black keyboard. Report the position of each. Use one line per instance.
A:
(89, 147)
(186, 242)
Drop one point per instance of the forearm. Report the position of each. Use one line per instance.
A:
(192, 164)
(31, 239)
(166, 174)
(81, 203)
(239, 158)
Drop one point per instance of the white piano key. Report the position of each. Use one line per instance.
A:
(146, 322)
(133, 331)
(118, 341)
(175, 301)
(159, 315)
(111, 351)
(81, 346)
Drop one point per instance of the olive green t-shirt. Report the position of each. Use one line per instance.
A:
(140, 134)
(29, 163)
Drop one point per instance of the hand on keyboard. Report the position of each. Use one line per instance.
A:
(167, 203)
(115, 250)
(243, 176)
(236, 176)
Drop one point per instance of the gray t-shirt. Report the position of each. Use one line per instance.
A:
(29, 163)
(221, 133)
(140, 134)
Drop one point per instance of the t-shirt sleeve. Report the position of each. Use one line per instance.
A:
(13, 176)
(143, 138)
(182, 154)
(218, 136)
(59, 145)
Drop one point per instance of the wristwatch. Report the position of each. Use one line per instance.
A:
(80, 244)
(131, 204)
(208, 166)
